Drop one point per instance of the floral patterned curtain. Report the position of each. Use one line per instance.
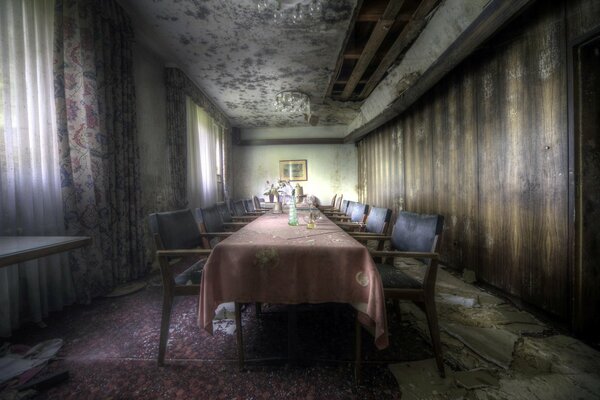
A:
(99, 160)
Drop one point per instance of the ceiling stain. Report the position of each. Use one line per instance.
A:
(241, 58)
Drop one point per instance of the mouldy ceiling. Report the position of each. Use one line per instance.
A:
(241, 58)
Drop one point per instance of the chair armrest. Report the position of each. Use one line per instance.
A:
(183, 252)
(216, 234)
(369, 236)
(406, 254)
(244, 218)
(351, 227)
(338, 217)
(234, 224)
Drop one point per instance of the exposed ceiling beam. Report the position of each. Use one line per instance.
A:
(407, 36)
(340, 59)
(375, 17)
(377, 36)
(496, 14)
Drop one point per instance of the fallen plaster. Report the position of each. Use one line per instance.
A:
(494, 345)
(490, 334)
(420, 380)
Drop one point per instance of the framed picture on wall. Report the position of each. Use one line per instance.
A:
(293, 170)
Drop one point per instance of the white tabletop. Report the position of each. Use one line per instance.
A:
(16, 249)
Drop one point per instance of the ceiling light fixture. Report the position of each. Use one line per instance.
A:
(282, 10)
(290, 101)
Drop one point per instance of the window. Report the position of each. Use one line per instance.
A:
(205, 157)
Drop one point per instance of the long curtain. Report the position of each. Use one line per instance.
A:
(179, 88)
(30, 193)
(202, 147)
(99, 158)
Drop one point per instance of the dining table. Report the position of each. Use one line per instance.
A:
(269, 261)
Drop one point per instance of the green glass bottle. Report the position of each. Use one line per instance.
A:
(293, 213)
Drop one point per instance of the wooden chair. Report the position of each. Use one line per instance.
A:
(356, 213)
(347, 207)
(377, 223)
(356, 220)
(414, 236)
(329, 207)
(179, 247)
(338, 202)
(341, 210)
(257, 206)
(239, 209)
(230, 221)
(250, 209)
(211, 225)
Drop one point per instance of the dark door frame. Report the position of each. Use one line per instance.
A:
(574, 198)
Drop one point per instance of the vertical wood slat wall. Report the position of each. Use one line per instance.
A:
(488, 149)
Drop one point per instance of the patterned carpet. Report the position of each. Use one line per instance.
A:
(110, 350)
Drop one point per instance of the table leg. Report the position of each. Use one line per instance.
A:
(358, 344)
(292, 334)
(240, 339)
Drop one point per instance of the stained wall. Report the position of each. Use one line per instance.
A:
(331, 169)
(488, 148)
(150, 89)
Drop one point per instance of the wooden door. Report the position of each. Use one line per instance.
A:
(585, 81)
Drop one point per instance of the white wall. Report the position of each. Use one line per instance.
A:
(331, 169)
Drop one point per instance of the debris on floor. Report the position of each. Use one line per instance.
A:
(224, 320)
(493, 345)
(497, 351)
(420, 380)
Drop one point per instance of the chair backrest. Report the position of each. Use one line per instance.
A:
(417, 232)
(333, 200)
(249, 205)
(378, 220)
(210, 218)
(350, 208)
(359, 212)
(256, 202)
(238, 208)
(175, 230)
(224, 212)
(338, 201)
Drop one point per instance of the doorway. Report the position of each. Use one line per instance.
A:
(584, 88)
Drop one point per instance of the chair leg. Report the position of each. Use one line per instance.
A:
(258, 309)
(357, 351)
(434, 331)
(240, 339)
(164, 328)
(397, 309)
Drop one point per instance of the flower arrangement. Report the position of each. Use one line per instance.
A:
(270, 189)
(285, 188)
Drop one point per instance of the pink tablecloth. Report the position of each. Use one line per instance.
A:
(269, 261)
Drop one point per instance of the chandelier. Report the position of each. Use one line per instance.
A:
(295, 14)
(290, 101)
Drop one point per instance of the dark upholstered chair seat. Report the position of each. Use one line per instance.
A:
(394, 278)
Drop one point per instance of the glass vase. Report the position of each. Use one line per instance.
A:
(293, 213)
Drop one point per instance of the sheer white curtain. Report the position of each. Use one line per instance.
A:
(202, 146)
(30, 197)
